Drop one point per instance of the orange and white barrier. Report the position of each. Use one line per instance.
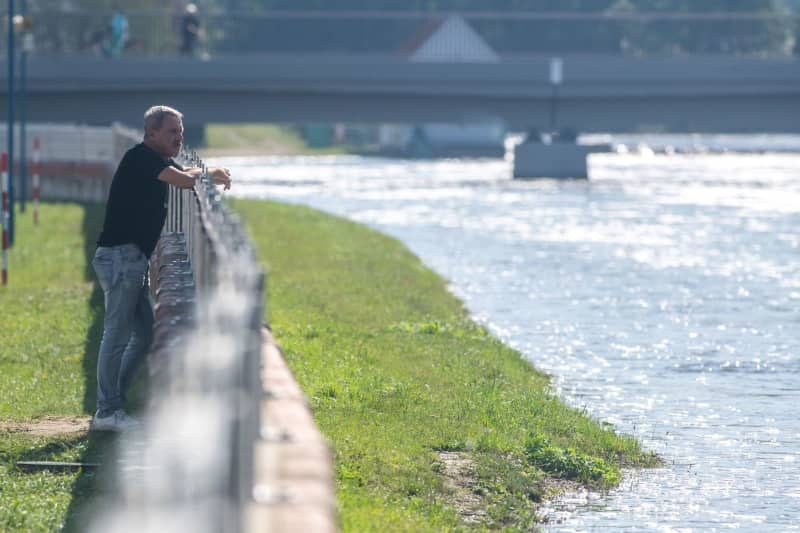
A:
(6, 214)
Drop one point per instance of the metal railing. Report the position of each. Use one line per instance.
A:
(191, 468)
(395, 33)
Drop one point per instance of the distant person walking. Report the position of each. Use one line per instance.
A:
(119, 34)
(190, 30)
(135, 215)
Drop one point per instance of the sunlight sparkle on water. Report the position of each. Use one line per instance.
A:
(661, 295)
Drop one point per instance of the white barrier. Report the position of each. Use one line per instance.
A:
(71, 162)
(65, 142)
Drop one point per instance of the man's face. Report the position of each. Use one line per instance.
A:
(167, 139)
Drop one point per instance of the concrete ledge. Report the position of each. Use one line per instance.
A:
(288, 519)
(293, 465)
(286, 460)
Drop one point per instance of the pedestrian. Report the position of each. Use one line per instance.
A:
(190, 30)
(135, 214)
(119, 33)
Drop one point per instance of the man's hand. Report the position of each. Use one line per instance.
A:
(221, 176)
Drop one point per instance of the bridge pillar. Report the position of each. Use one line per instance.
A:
(555, 155)
(557, 160)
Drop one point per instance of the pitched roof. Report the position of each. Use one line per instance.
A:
(450, 40)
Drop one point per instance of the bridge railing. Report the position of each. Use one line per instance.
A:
(400, 33)
(191, 468)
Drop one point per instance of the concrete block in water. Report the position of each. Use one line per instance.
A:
(557, 160)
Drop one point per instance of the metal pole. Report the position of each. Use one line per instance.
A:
(556, 78)
(4, 215)
(36, 170)
(10, 115)
(23, 109)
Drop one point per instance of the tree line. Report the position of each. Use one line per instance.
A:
(753, 27)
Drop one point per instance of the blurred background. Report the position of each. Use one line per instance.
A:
(343, 49)
(759, 28)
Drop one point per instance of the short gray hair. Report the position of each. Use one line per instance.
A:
(154, 117)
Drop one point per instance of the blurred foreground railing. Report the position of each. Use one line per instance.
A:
(191, 467)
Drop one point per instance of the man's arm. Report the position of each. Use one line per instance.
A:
(184, 179)
(220, 175)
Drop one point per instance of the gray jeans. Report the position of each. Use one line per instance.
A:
(128, 323)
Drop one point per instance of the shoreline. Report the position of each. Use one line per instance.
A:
(471, 415)
(435, 423)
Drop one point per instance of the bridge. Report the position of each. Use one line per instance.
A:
(599, 93)
(714, 72)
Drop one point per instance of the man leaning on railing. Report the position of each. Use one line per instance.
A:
(135, 214)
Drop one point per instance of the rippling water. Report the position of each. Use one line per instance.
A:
(663, 295)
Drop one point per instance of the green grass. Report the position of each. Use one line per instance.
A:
(238, 135)
(50, 324)
(52, 313)
(393, 367)
(48, 500)
(34, 501)
(396, 372)
(249, 139)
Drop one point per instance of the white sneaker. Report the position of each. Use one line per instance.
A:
(119, 420)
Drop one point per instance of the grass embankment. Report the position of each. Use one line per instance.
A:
(396, 373)
(398, 376)
(258, 139)
(50, 325)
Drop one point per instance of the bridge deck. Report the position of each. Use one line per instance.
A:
(599, 93)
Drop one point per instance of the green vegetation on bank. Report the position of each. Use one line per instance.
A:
(400, 380)
(262, 139)
(398, 375)
(50, 324)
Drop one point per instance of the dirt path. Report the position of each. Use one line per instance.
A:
(459, 474)
(48, 426)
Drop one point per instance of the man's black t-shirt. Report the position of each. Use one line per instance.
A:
(136, 208)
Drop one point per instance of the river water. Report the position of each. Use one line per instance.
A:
(663, 295)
